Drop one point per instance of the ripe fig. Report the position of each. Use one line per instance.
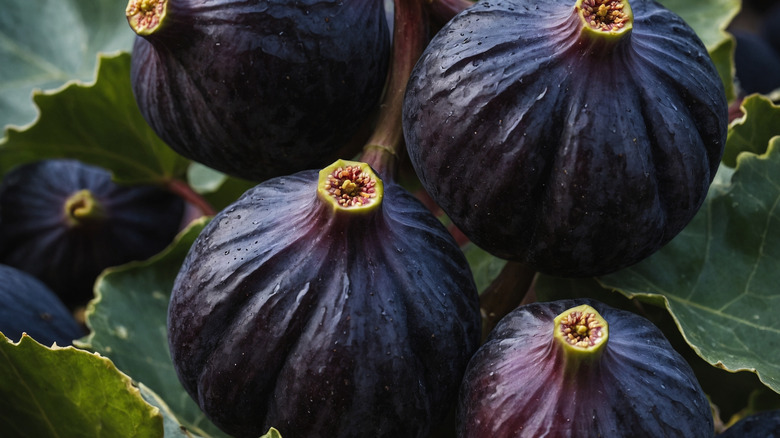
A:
(577, 137)
(580, 368)
(764, 424)
(258, 88)
(28, 306)
(324, 305)
(64, 221)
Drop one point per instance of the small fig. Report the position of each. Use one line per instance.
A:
(577, 137)
(580, 368)
(28, 306)
(764, 424)
(324, 305)
(64, 221)
(258, 88)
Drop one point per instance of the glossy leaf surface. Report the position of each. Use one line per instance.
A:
(98, 123)
(45, 43)
(69, 392)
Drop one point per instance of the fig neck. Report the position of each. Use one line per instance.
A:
(82, 209)
(603, 24)
(582, 335)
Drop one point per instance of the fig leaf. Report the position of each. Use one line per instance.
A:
(97, 123)
(719, 277)
(753, 134)
(45, 43)
(65, 391)
(217, 188)
(128, 317)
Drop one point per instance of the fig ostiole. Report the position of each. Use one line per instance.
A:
(580, 368)
(593, 127)
(324, 304)
(81, 208)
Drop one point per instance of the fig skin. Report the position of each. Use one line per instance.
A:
(258, 89)
(28, 306)
(519, 383)
(764, 424)
(37, 236)
(577, 156)
(287, 314)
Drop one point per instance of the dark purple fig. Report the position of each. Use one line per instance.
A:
(64, 221)
(765, 424)
(324, 305)
(580, 368)
(577, 137)
(756, 63)
(258, 88)
(28, 306)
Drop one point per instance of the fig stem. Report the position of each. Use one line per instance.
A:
(443, 11)
(410, 33)
(186, 192)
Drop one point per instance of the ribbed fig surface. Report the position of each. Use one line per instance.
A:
(291, 313)
(28, 306)
(576, 151)
(260, 88)
(64, 221)
(523, 382)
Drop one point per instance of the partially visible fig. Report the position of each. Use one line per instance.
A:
(324, 304)
(577, 137)
(258, 88)
(64, 221)
(28, 306)
(580, 368)
(765, 424)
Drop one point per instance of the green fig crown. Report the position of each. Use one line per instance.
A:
(581, 331)
(350, 186)
(605, 17)
(144, 16)
(82, 207)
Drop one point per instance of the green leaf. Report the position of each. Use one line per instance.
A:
(218, 189)
(128, 317)
(719, 278)
(171, 425)
(484, 266)
(99, 124)
(67, 392)
(753, 131)
(45, 43)
(709, 19)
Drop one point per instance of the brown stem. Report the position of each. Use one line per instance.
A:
(510, 289)
(410, 34)
(442, 11)
(184, 190)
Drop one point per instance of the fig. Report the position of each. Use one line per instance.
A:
(31, 307)
(764, 424)
(576, 137)
(257, 89)
(756, 63)
(580, 368)
(64, 221)
(324, 304)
